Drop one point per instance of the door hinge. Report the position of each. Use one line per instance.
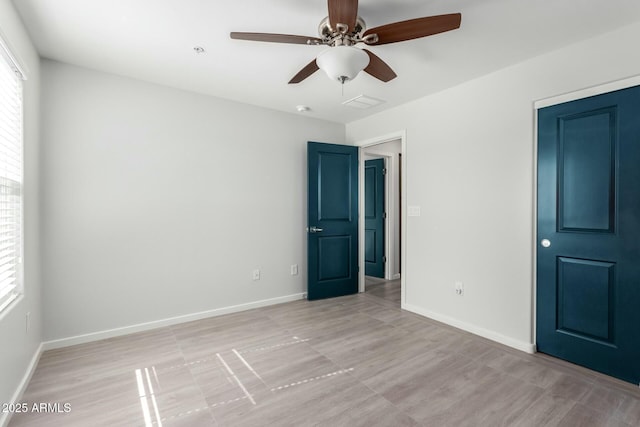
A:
(384, 171)
(384, 258)
(384, 215)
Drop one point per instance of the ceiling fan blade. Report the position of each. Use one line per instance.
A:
(343, 12)
(309, 69)
(378, 68)
(414, 28)
(276, 38)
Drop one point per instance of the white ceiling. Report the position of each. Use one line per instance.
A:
(153, 40)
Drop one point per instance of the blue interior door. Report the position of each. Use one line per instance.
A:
(588, 272)
(374, 217)
(332, 220)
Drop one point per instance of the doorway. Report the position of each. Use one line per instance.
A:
(391, 149)
(375, 216)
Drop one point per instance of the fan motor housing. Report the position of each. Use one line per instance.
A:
(326, 32)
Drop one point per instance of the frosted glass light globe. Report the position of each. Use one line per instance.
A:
(342, 63)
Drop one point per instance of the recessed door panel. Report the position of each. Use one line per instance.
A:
(370, 246)
(371, 192)
(586, 171)
(586, 302)
(333, 257)
(334, 196)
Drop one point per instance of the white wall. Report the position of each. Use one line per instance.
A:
(470, 166)
(17, 347)
(160, 203)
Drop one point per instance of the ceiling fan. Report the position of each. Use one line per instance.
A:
(343, 29)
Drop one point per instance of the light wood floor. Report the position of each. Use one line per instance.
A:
(352, 361)
(386, 289)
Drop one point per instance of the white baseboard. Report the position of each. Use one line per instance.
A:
(17, 396)
(476, 330)
(141, 327)
(395, 276)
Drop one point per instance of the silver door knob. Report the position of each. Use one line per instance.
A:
(315, 229)
(545, 243)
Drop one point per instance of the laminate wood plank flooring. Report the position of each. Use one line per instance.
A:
(351, 361)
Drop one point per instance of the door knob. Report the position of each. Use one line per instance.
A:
(315, 229)
(545, 243)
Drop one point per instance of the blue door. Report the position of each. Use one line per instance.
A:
(374, 217)
(588, 272)
(332, 220)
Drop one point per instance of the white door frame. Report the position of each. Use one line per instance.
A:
(402, 136)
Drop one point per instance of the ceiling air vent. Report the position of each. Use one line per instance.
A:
(362, 102)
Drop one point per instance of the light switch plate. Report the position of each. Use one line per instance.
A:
(413, 210)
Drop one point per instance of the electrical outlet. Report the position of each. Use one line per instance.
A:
(27, 321)
(256, 274)
(294, 269)
(459, 287)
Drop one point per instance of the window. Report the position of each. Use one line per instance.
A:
(10, 178)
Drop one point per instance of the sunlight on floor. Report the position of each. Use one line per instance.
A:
(151, 412)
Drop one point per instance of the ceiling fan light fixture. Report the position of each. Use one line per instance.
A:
(342, 63)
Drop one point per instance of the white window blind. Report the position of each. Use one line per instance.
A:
(10, 179)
